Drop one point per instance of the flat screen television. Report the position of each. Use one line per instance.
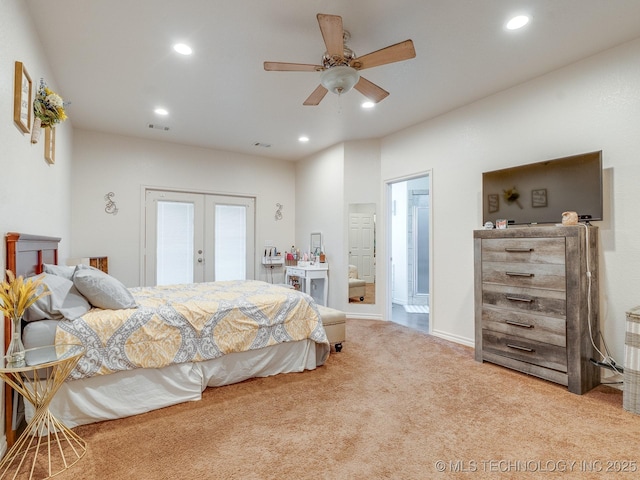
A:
(541, 192)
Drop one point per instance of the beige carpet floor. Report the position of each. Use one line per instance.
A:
(394, 404)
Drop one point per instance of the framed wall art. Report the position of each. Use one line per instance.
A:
(22, 94)
(50, 145)
(539, 197)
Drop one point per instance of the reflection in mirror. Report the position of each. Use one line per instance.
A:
(315, 243)
(362, 253)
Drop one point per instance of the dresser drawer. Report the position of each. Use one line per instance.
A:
(526, 325)
(524, 250)
(295, 272)
(530, 351)
(536, 275)
(533, 300)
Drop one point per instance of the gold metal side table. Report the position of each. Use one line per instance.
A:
(46, 447)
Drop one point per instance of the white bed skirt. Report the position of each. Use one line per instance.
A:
(122, 394)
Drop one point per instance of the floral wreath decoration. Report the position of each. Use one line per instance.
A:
(48, 106)
(48, 109)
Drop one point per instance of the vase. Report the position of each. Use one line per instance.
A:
(15, 351)
(36, 130)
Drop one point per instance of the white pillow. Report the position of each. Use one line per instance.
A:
(101, 289)
(60, 270)
(64, 301)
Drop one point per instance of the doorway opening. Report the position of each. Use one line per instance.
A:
(409, 228)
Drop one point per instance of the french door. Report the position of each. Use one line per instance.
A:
(193, 237)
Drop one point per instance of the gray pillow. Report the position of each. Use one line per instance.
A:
(101, 289)
(60, 270)
(64, 301)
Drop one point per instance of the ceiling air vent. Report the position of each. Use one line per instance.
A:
(155, 126)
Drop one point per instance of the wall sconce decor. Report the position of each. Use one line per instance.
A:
(111, 207)
(279, 211)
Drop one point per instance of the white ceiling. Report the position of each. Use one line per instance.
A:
(113, 60)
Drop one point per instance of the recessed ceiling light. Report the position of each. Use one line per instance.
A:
(182, 49)
(303, 139)
(517, 22)
(161, 111)
(368, 104)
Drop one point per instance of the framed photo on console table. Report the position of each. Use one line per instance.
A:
(22, 92)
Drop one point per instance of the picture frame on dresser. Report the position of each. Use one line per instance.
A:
(22, 98)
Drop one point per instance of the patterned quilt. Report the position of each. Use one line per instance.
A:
(190, 323)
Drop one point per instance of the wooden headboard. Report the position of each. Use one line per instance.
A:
(25, 256)
(26, 253)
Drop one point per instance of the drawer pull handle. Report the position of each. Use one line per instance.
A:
(518, 250)
(518, 347)
(519, 299)
(519, 324)
(519, 274)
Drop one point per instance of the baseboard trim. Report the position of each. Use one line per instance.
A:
(453, 338)
(365, 316)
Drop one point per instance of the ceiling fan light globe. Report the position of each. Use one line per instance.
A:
(339, 79)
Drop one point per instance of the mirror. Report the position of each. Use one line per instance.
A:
(362, 253)
(315, 244)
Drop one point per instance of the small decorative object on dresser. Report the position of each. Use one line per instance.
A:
(536, 302)
(569, 218)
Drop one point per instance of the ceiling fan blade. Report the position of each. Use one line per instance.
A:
(370, 90)
(394, 53)
(317, 95)
(291, 67)
(332, 33)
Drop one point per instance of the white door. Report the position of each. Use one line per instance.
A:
(191, 237)
(361, 245)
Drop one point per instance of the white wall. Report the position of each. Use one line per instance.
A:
(124, 165)
(587, 106)
(320, 208)
(34, 196)
(361, 185)
(326, 183)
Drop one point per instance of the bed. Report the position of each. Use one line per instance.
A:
(167, 347)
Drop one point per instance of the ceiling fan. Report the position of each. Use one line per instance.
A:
(340, 67)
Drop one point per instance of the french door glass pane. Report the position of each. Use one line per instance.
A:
(230, 242)
(175, 243)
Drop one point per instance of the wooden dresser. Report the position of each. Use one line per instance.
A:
(534, 301)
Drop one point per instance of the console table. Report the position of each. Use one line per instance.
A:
(309, 275)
